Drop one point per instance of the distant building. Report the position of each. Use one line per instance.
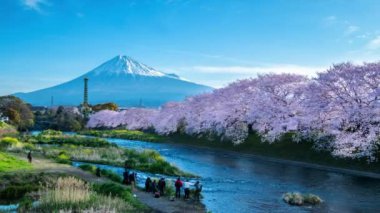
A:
(3, 118)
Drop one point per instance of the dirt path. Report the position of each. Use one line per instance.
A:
(158, 205)
(163, 204)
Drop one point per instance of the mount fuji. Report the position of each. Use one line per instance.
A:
(121, 80)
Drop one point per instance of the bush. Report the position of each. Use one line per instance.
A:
(103, 172)
(88, 167)
(8, 142)
(25, 204)
(63, 158)
(74, 195)
(295, 198)
(51, 132)
(117, 190)
(16, 192)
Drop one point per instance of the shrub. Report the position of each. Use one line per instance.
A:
(50, 132)
(295, 198)
(87, 167)
(63, 158)
(66, 190)
(117, 190)
(8, 142)
(25, 204)
(74, 195)
(17, 191)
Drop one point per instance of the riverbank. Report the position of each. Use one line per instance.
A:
(66, 148)
(285, 150)
(48, 168)
(52, 155)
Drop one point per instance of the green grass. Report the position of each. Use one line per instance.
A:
(103, 172)
(75, 195)
(116, 190)
(44, 138)
(67, 148)
(7, 130)
(10, 163)
(125, 134)
(15, 185)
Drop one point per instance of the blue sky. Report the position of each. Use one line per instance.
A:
(46, 42)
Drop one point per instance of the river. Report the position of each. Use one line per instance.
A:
(241, 183)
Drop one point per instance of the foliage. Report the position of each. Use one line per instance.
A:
(103, 172)
(61, 118)
(18, 112)
(9, 142)
(125, 134)
(25, 204)
(56, 137)
(339, 110)
(96, 150)
(6, 129)
(11, 163)
(16, 185)
(105, 106)
(50, 132)
(116, 190)
(72, 194)
(295, 198)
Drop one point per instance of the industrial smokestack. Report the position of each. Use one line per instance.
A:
(85, 96)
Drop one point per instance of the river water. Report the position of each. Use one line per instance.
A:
(241, 183)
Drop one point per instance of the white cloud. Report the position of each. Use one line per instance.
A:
(330, 20)
(374, 44)
(351, 29)
(34, 4)
(253, 70)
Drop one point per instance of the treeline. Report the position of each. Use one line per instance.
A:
(339, 111)
(24, 117)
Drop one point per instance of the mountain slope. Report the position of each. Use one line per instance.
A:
(121, 80)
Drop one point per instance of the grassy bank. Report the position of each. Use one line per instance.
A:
(67, 148)
(10, 163)
(285, 148)
(125, 134)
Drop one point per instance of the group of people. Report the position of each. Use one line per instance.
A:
(158, 188)
(186, 187)
(155, 187)
(129, 178)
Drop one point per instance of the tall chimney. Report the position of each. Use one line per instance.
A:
(85, 98)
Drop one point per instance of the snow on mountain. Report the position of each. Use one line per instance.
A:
(126, 65)
(122, 80)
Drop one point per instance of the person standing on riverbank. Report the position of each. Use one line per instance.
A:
(198, 189)
(30, 156)
(186, 187)
(161, 186)
(148, 184)
(178, 184)
(132, 180)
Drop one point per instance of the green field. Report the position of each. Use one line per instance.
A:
(11, 163)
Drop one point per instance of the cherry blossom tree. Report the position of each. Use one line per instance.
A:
(339, 110)
(344, 102)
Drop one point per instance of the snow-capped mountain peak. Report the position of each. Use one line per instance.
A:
(122, 64)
